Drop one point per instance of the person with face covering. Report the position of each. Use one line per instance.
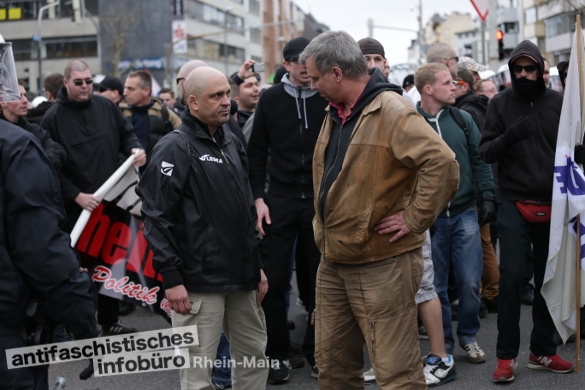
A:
(520, 134)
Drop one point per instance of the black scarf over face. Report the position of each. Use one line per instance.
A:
(527, 88)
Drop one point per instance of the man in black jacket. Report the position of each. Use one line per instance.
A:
(467, 100)
(14, 112)
(287, 122)
(151, 120)
(200, 221)
(36, 258)
(92, 130)
(520, 133)
(52, 84)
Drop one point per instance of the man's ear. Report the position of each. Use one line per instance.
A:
(337, 73)
(428, 90)
(193, 103)
(237, 99)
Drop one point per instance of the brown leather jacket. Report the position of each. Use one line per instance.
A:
(395, 162)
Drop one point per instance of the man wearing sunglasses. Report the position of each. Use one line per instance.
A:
(520, 134)
(93, 131)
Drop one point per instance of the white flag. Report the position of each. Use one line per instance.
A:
(568, 200)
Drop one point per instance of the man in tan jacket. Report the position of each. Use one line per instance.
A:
(381, 176)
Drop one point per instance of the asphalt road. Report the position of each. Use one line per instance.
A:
(470, 376)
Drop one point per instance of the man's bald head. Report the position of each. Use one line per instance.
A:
(443, 53)
(207, 94)
(199, 78)
(182, 75)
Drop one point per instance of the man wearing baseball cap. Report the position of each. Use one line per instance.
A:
(286, 125)
(112, 88)
(473, 66)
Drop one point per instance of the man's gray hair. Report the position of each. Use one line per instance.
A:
(336, 49)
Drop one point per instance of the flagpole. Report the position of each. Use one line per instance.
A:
(578, 262)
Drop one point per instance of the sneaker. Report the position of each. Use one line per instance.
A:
(299, 302)
(117, 328)
(527, 297)
(474, 353)
(296, 361)
(438, 372)
(552, 363)
(505, 370)
(315, 372)
(219, 386)
(279, 374)
(422, 333)
(369, 376)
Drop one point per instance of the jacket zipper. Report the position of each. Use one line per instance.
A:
(436, 120)
(234, 181)
(323, 184)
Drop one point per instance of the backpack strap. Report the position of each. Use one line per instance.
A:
(458, 117)
(185, 138)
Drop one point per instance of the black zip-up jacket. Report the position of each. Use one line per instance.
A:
(287, 122)
(525, 170)
(199, 214)
(34, 254)
(35, 114)
(341, 134)
(55, 152)
(475, 105)
(92, 133)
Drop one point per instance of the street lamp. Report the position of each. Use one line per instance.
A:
(225, 44)
(39, 38)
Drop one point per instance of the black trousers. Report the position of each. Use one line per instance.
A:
(108, 310)
(516, 237)
(291, 218)
(27, 378)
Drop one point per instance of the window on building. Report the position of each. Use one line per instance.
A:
(28, 9)
(238, 1)
(560, 24)
(255, 7)
(71, 47)
(23, 49)
(205, 49)
(209, 14)
(255, 35)
(531, 15)
(511, 28)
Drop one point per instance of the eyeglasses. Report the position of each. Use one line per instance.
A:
(294, 60)
(79, 83)
(451, 58)
(527, 68)
(459, 82)
(178, 79)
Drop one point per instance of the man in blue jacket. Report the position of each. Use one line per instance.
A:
(456, 239)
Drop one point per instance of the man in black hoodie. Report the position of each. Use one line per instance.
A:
(520, 134)
(92, 130)
(286, 125)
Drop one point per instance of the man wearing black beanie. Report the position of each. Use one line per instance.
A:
(287, 122)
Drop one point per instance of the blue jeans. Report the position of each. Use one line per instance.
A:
(222, 375)
(457, 241)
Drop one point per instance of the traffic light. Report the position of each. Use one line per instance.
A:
(500, 37)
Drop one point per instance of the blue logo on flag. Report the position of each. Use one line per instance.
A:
(573, 183)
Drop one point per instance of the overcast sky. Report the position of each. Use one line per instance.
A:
(352, 16)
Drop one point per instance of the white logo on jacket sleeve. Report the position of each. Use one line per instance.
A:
(207, 157)
(167, 168)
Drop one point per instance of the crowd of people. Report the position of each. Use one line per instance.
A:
(387, 200)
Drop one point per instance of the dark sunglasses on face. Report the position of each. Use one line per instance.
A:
(79, 83)
(102, 89)
(527, 68)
